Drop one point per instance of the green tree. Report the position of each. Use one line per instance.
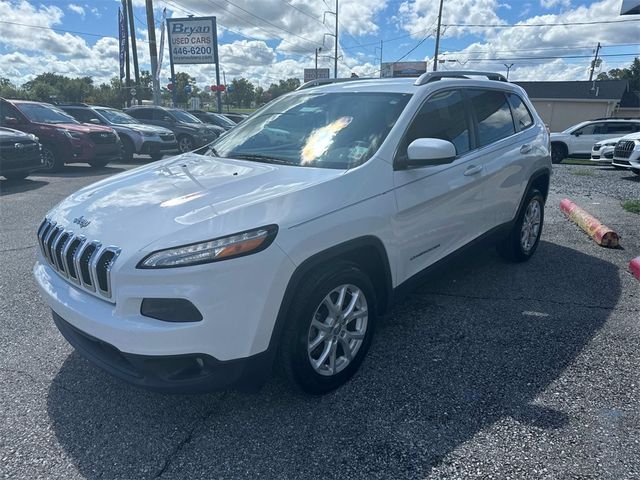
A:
(631, 73)
(284, 86)
(242, 93)
(182, 80)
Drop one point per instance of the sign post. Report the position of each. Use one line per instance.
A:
(193, 40)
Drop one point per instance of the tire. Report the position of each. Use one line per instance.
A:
(52, 161)
(185, 143)
(16, 175)
(309, 310)
(558, 152)
(127, 149)
(98, 163)
(517, 248)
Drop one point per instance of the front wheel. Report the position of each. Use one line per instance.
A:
(185, 144)
(558, 153)
(51, 161)
(330, 328)
(523, 240)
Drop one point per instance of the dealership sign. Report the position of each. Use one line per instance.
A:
(192, 40)
(313, 74)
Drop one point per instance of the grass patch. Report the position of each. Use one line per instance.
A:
(632, 206)
(583, 173)
(579, 161)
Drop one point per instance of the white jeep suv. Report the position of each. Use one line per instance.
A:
(626, 153)
(286, 238)
(577, 141)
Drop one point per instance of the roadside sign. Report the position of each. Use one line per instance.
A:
(188, 89)
(133, 92)
(313, 74)
(192, 40)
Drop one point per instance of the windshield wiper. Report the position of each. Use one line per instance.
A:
(260, 158)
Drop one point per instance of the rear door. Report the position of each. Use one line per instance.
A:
(440, 208)
(587, 136)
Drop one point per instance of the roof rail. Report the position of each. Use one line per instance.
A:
(325, 81)
(71, 104)
(615, 118)
(434, 76)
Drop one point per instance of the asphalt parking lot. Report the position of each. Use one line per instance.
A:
(490, 370)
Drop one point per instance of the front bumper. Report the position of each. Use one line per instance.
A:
(24, 163)
(239, 310)
(188, 373)
(158, 146)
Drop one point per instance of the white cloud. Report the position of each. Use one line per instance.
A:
(554, 3)
(76, 9)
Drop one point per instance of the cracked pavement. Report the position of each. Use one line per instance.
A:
(488, 370)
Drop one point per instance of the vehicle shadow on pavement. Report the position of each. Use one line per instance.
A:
(632, 178)
(9, 187)
(471, 348)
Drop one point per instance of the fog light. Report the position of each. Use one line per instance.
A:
(170, 310)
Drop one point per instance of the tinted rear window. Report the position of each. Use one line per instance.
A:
(493, 115)
(521, 114)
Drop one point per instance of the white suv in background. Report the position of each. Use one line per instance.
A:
(288, 237)
(577, 141)
(627, 153)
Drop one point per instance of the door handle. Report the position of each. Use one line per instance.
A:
(526, 148)
(473, 169)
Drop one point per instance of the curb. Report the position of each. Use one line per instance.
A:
(600, 233)
(634, 266)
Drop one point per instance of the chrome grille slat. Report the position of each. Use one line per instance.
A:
(623, 149)
(87, 263)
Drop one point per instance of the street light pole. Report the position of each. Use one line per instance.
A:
(319, 49)
(508, 68)
(153, 51)
(435, 56)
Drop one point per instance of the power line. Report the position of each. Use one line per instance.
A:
(520, 25)
(575, 47)
(550, 57)
(303, 12)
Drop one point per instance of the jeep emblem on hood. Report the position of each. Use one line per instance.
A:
(83, 222)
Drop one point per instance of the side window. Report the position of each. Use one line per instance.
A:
(8, 111)
(142, 113)
(442, 116)
(492, 114)
(592, 129)
(75, 113)
(620, 128)
(521, 114)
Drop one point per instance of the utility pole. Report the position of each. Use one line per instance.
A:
(435, 56)
(127, 79)
(335, 59)
(594, 63)
(134, 49)
(508, 68)
(380, 58)
(319, 49)
(153, 51)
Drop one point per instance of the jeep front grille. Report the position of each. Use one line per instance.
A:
(86, 263)
(624, 148)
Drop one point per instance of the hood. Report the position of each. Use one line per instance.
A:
(195, 126)
(631, 136)
(7, 134)
(82, 127)
(205, 195)
(142, 127)
(608, 140)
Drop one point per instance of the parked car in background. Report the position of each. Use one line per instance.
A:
(626, 153)
(577, 141)
(602, 151)
(62, 137)
(135, 136)
(213, 119)
(190, 132)
(236, 117)
(285, 248)
(19, 154)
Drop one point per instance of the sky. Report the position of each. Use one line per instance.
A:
(268, 40)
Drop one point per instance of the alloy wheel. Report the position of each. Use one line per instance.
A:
(48, 158)
(185, 145)
(337, 330)
(531, 225)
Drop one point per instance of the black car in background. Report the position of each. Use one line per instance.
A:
(19, 154)
(213, 119)
(235, 117)
(190, 132)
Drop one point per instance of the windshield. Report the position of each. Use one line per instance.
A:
(44, 114)
(185, 117)
(315, 129)
(117, 117)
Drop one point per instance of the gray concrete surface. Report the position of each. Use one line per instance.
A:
(490, 370)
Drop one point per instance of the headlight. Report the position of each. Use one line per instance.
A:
(33, 137)
(70, 134)
(148, 134)
(232, 246)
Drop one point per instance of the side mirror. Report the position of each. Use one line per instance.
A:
(425, 152)
(168, 119)
(577, 134)
(10, 120)
(95, 121)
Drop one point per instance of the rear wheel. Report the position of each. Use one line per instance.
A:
(523, 240)
(331, 324)
(558, 152)
(51, 160)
